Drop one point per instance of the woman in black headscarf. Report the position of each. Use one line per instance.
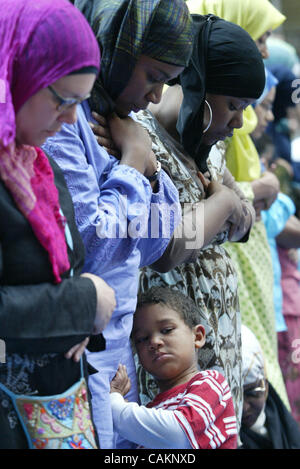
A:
(224, 63)
(225, 75)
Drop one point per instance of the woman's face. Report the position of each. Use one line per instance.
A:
(227, 115)
(264, 114)
(261, 43)
(39, 117)
(145, 85)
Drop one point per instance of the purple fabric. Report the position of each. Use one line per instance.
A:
(40, 42)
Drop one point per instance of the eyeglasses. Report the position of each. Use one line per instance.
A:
(66, 103)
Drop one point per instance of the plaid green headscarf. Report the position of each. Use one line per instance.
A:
(125, 29)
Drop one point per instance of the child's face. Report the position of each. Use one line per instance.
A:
(166, 345)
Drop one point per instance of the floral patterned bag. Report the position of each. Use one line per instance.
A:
(56, 422)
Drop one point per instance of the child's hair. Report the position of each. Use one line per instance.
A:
(174, 299)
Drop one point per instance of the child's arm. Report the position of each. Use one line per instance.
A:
(150, 428)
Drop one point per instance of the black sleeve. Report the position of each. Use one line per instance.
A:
(36, 314)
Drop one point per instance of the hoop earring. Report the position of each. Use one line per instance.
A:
(210, 117)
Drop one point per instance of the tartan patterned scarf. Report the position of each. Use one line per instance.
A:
(40, 42)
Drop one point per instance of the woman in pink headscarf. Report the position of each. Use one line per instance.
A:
(49, 60)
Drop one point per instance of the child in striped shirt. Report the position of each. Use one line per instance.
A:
(194, 409)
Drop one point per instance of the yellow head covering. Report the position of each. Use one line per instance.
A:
(242, 158)
(256, 17)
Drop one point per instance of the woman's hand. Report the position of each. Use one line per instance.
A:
(259, 205)
(265, 191)
(133, 142)
(127, 140)
(77, 350)
(224, 196)
(121, 381)
(106, 302)
(204, 180)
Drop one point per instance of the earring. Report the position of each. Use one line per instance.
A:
(210, 117)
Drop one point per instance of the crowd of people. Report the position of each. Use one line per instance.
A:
(149, 270)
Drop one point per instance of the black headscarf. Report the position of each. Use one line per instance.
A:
(225, 61)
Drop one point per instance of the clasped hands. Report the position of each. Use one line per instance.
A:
(228, 199)
(265, 189)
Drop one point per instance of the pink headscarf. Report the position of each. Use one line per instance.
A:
(40, 42)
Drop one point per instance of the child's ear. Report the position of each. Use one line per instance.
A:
(199, 332)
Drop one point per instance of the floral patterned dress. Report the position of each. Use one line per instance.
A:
(210, 280)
